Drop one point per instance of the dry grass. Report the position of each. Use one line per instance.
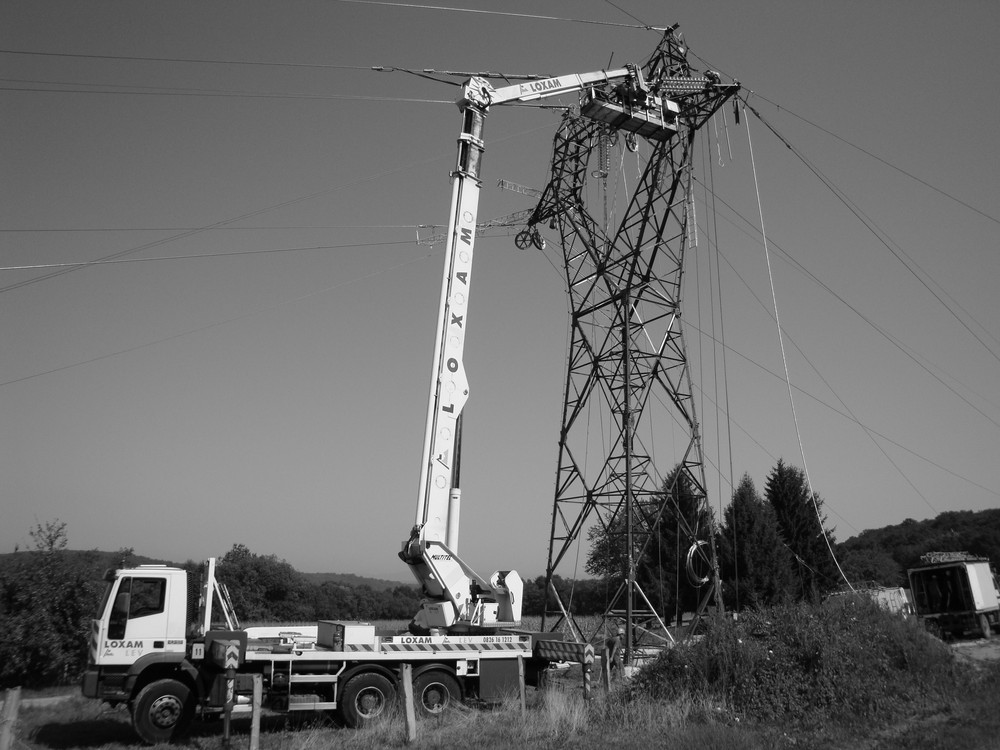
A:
(960, 713)
(557, 717)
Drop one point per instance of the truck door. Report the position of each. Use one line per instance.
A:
(136, 621)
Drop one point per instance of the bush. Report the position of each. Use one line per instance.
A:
(844, 658)
(46, 601)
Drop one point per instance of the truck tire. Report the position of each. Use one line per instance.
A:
(365, 698)
(162, 711)
(434, 691)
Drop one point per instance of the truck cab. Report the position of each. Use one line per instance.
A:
(143, 619)
(151, 627)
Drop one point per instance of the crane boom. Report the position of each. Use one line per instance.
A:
(455, 595)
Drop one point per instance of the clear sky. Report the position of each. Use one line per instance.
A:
(276, 399)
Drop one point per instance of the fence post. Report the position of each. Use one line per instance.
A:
(520, 684)
(8, 718)
(411, 716)
(606, 668)
(227, 716)
(258, 692)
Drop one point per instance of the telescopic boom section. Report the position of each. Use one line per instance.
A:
(456, 597)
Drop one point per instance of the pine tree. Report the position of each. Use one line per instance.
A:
(803, 527)
(678, 519)
(756, 567)
(668, 524)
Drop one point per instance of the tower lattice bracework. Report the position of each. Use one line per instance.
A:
(628, 382)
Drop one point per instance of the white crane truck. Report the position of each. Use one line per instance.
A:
(166, 644)
(169, 646)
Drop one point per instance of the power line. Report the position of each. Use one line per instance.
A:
(200, 61)
(879, 159)
(630, 15)
(250, 214)
(425, 73)
(86, 263)
(846, 415)
(506, 13)
(861, 149)
(883, 238)
(260, 227)
(864, 318)
(250, 313)
(223, 222)
(46, 87)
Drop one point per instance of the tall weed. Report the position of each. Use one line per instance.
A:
(844, 658)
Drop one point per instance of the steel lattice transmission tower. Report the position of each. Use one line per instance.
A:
(627, 381)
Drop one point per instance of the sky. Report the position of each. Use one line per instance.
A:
(255, 368)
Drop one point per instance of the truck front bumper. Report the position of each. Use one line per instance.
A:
(107, 686)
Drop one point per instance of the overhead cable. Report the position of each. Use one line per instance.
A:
(258, 227)
(201, 61)
(908, 263)
(225, 222)
(250, 313)
(144, 90)
(868, 321)
(879, 159)
(82, 264)
(256, 212)
(505, 13)
(846, 415)
(784, 360)
(630, 15)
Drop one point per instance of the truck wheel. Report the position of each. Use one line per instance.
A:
(984, 626)
(162, 711)
(365, 698)
(434, 691)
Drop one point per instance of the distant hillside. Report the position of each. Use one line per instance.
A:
(93, 561)
(884, 554)
(881, 555)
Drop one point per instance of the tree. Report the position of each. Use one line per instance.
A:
(264, 588)
(665, 528)
(606, 559)
(756, 567)
(867, 565)
(45, 606)
(681, 520)
(803, 528)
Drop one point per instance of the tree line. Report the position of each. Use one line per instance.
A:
(773, 548)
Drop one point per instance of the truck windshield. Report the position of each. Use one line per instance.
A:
(104, 599)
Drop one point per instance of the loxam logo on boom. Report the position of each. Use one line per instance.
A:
(536, 87)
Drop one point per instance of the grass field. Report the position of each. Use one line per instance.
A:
(924, 699)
